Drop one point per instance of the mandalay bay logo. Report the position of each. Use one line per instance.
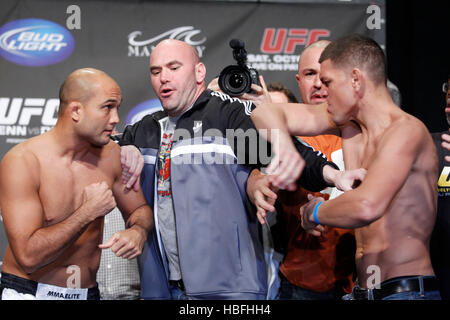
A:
(138, 47)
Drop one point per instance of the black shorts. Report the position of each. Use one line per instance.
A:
(26, 286)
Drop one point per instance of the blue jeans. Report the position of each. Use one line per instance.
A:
(428, 295)
(288, 291)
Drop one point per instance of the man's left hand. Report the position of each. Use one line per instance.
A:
(127, 243)
(348, 180)
(259, 95)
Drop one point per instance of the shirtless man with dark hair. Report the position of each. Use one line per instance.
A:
(55, 190)
(393, 210)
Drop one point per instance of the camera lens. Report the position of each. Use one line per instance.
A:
(235, 80)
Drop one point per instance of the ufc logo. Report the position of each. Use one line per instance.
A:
(283, 40)
(19, 111)
(444, 178)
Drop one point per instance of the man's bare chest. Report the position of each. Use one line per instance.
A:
(358, 153)
(62, 187)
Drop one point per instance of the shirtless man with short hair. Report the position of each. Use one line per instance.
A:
(55, 190)
(394, 208)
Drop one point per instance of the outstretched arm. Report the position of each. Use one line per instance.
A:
(263, 194)
(386, 174)
(276, 123)
(293, 119)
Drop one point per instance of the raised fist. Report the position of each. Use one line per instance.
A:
(98, 200)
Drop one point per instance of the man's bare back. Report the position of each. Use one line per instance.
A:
(397, 243)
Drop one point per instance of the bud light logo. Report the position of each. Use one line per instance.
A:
(35, 42)
(143, 109)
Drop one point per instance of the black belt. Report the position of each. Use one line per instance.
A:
(177, 283)
(397, 285)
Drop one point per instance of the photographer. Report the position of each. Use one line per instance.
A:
(206, 243)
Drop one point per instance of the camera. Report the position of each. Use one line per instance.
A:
(236, 80)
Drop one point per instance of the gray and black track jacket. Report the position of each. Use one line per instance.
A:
(218, 234)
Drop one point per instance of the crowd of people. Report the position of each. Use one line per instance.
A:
(256, 197)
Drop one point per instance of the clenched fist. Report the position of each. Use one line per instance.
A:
(98, 200)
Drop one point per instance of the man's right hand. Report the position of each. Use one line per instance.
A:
(214, 85)
(261, 194)
(132, 163)
(98, 200)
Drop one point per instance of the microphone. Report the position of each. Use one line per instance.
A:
(237, 44)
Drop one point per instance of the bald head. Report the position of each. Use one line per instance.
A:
(173, 45)
(317, 46)
(177, 75)
(308, 77)
(80, 86)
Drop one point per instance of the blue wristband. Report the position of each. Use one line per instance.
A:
(316, 208)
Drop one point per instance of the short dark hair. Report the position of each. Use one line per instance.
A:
(358, 51)
(279, 87)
